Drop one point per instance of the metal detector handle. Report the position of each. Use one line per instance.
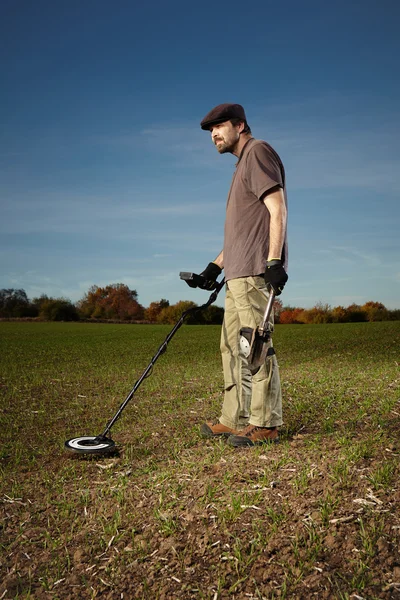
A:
(267, 313)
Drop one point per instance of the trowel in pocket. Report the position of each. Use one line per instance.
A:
(254, 343)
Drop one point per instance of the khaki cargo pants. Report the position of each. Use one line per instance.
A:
(254, 399)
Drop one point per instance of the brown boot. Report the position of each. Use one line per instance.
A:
(253, 435)
(213, 430)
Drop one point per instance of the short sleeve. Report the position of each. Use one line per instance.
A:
(264, 169)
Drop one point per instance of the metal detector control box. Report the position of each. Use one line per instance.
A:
(192, 279)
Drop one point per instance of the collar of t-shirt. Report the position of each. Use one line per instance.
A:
(243, 149)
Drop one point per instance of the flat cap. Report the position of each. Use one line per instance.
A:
(222, 113)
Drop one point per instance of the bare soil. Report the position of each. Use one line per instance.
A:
(279, 521)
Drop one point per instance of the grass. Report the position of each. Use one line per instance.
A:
(174, 516)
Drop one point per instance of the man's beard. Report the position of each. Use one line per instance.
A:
(223, 147)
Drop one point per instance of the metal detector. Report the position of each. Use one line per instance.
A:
(103, 444)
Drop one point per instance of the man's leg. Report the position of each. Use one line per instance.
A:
(250, 297)
(237, 383)
(235, 411)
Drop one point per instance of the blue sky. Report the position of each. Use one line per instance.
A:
(106, 176)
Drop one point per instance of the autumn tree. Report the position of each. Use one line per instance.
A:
(171, 314)
(151, 313)
(339, 314)
(290, 315)
(115, 301)
(278, 308)
(375, 311)
(320, 313)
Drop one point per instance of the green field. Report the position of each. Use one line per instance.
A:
(174, 516)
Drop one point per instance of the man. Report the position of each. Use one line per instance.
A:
(254, 258)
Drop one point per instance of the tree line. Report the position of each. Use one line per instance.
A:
(324, 313)
(117, 302)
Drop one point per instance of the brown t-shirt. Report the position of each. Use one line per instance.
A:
(246, 240)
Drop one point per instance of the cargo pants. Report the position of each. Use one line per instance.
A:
(249, 399)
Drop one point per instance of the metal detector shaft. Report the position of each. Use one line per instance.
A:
(159, 352)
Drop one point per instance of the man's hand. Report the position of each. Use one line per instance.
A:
(275, 276)
(210, 275)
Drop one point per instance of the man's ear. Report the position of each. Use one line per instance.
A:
(241, 126)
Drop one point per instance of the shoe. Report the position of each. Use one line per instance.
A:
(214, 430)
(253, 435)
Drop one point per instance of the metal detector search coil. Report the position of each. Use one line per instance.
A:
(90, 445)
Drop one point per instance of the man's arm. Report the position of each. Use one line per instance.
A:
(275, 203)
(220, 260)
(275, 275)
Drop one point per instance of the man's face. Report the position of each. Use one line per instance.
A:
(225, 136)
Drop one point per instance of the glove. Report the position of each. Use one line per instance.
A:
(275, 276)
(210, 275)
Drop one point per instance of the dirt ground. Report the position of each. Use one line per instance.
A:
(235, 525)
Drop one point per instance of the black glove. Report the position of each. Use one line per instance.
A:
(275, 276)
(210, 275)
